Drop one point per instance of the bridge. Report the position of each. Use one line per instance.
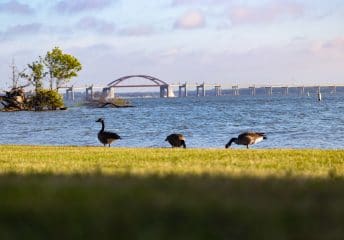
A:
(155, 82)
(166, 90)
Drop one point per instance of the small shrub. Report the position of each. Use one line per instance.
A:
(46, 99)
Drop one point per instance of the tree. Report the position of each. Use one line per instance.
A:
(61, 67)
(36, 74)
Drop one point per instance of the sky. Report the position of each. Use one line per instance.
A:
(228, 42)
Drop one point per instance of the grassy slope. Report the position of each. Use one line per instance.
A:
(90, 192)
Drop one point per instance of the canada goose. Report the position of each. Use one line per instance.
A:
(176, 140)
(247, 138)
(106, 137)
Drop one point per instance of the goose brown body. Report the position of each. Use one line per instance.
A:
(176, 140)
(106, 137)
(247, 138)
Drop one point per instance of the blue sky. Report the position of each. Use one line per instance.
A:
(215, 41)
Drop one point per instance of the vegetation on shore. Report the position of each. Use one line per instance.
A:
(102, 193)
(56, 68)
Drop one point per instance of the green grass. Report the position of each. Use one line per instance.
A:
(109, 161)
(109, 193)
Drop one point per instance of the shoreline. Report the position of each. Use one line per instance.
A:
(188, 148)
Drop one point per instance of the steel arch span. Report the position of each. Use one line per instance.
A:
(155, 81)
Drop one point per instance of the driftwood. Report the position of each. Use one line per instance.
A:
(14, 100)
(110, 104)
(103, 103)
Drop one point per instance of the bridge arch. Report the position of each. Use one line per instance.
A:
(155, 81)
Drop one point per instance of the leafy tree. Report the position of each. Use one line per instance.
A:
(61, 67)
(36, 74)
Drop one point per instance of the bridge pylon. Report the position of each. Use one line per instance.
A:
(166, 91)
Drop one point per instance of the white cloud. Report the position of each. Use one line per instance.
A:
(266, 13)
(198, 2)
(67, 6)
(140, 30)
(95, 25)
(333, 46)
(191, 20)
(23, 29)
(16, 8)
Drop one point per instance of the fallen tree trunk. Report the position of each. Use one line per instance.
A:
(110, 104)
(103, 103)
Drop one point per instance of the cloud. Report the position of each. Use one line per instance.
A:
(20, 30)
(23, 29)
(14, 7)
(141, 30)
(191, 20)
(184, 2)
(265, 14)
(96, 25)
(197, 2)
(67, 6)
(335, 45)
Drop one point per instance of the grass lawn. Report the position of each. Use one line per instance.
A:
(109, 193)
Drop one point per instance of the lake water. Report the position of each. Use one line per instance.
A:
(206, 122)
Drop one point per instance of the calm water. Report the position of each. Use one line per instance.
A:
(289, 122)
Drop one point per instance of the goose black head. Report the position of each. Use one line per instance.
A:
(235, 140)
(100, 120)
